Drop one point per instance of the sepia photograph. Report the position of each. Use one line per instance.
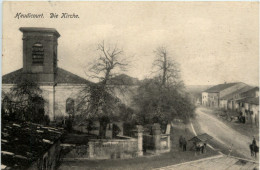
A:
(149, 85)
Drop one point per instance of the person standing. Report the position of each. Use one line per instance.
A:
(254, 141)
(184, 144)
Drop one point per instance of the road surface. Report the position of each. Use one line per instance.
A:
(222, 133)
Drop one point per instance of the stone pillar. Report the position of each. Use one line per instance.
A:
(168, 132)
(157, 137)
(169, 142)
(139, 140)
(91, 149)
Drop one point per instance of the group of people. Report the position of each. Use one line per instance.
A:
(183, 143)
(199, 146)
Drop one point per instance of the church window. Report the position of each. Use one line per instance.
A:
(70, 106)
(37, 53)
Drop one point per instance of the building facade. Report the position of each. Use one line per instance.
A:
(61, 88)
(213, 95)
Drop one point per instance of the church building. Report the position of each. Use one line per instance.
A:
(40, 62)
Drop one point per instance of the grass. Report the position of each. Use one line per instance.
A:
(149, 161)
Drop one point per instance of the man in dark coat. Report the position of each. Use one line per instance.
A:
(254, 142)
(184, 144)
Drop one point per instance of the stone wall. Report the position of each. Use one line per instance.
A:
(113, 148)
(157, 142)
(125, 147)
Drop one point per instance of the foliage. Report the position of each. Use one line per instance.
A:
(162, 98)
(97, 100)
(25, 102)
(160, 105)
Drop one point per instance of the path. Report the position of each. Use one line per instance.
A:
(222, 133)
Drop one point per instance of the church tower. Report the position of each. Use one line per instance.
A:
(40, 53)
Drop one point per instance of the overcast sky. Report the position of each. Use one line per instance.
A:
(214, 42)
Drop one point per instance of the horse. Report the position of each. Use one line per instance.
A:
(254, 149)
(200, 147)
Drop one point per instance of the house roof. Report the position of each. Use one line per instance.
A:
(239, 91)
(220, 87)
(22, 143)
(252, 90)
(251, 100)
(201, 138)
(62, 77)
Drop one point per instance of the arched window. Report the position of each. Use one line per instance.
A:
(70, 106)
(37, 53)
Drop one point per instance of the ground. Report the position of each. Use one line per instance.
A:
(248, 130)
(219, 162)
(228, 139)
(226, 134)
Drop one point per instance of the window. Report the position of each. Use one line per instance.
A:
(70, 106)
(37, 53)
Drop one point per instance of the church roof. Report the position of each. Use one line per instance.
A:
(62, 77)
(66, 77)
(11, 78)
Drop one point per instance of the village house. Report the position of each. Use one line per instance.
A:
(40, 62)
(250, 108)
(228, 101)
(250, 93)
(211, 97)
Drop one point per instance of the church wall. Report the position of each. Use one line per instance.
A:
(62, 94)
(46, 94)
(59, 94)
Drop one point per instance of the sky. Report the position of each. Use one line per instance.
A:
(214, 42)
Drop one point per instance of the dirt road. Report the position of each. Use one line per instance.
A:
(222, 133)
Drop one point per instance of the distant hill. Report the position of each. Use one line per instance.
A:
(196, 90)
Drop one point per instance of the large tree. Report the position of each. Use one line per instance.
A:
(98, 100)
(25, 102)
(161, 98)
(167, 70)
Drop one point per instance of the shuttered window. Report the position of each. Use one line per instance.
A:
(37, 53)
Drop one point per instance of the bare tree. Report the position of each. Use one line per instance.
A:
(167, 68)
(99, 100)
